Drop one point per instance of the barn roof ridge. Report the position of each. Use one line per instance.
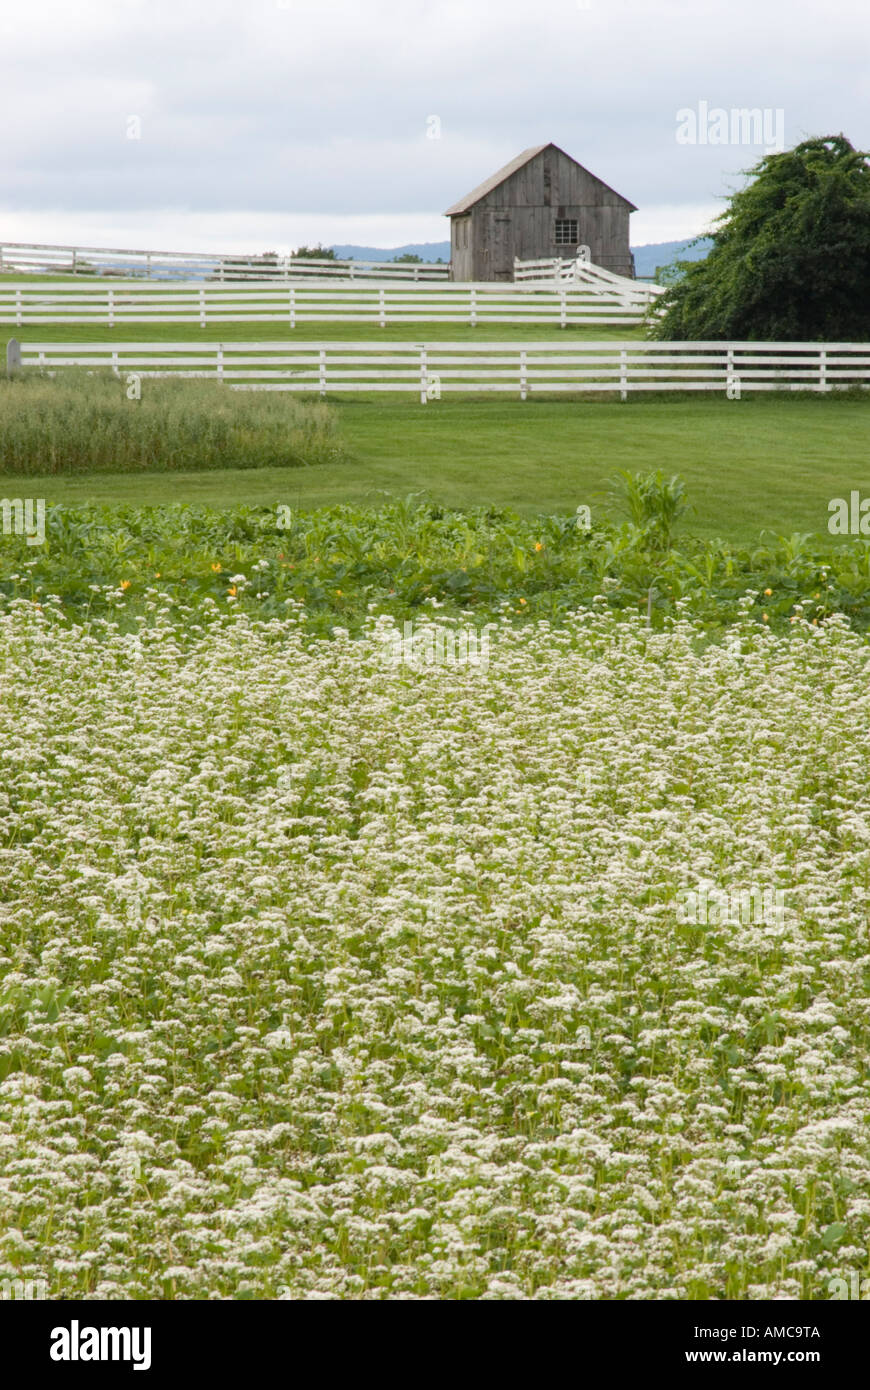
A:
(501, 175)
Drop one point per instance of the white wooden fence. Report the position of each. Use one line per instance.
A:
(162, 265)
(549, 267)
(580, 271)
(28, 304)
(430, 369)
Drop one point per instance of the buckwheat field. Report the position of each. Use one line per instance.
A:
(327, 976)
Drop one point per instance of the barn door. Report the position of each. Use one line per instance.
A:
(501, 265)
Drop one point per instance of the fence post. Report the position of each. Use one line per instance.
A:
(474, 308)
(563, 311)
(292, 307)
(729, 368)
(424, 384)
(18, 318)
(13, 356)
(623, 376)
(202, 308)
(382, 309)
(148, 266)
(523, 380)
(823, 370)
(74, 270)
(323, 371)
(220, 364)
(111, 303)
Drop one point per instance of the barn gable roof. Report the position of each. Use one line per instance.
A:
(465, 204)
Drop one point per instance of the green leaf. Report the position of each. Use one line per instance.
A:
(833, 1234)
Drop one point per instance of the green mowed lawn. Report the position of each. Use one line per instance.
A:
(351, 331)
(762, 462)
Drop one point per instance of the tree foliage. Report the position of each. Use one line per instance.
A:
(790, 258)
(314, 253)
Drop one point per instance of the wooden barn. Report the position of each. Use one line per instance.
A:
(543, 203)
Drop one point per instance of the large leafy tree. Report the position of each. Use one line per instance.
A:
(791, 254)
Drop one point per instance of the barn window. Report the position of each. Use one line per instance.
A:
(566, 231)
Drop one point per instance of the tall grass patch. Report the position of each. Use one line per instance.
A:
(85, 422)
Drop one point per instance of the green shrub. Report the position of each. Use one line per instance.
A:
(83, 422)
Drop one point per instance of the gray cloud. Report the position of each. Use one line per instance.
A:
(322, 107)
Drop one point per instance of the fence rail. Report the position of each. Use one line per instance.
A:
(430, 369)
(582, 272)
(31, 303)
(161, 265)
(546, 268)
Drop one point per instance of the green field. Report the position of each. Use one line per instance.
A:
(331, 977)
(335, 967)
(335, 331)
(762, 462)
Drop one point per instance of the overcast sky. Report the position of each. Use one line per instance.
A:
(260, 124)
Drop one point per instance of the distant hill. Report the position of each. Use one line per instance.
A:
(646, 258)
(428, 250)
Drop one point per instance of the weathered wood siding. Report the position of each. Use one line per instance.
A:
(461, 248)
